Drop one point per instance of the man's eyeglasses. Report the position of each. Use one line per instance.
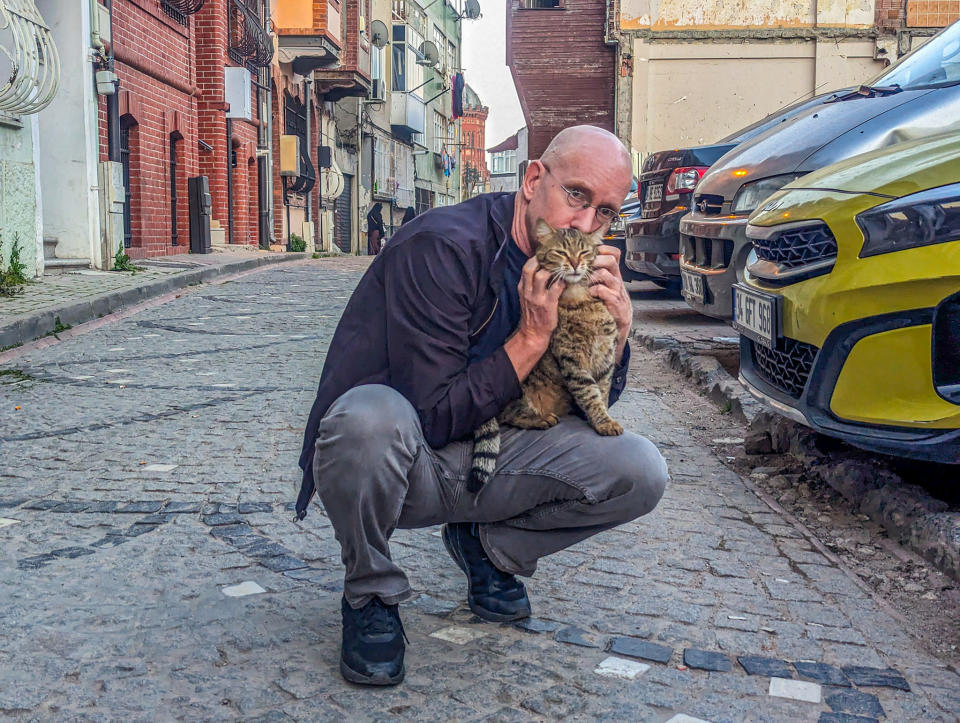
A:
(578, 199)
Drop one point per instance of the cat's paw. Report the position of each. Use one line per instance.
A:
(551, 420)
(609, 428)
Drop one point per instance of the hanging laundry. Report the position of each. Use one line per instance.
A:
(456, 89)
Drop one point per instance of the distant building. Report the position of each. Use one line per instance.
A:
(475, 176)
(508, 162)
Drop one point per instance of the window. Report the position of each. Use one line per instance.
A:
(174, 239)
(504, 162)
(377, 62)
(407, 74)
(441, 42)
(127, 195)
(541, 4)
(383, 179)
(439, 132)
(451, 57)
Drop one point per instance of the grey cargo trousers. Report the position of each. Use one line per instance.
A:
(374, 472)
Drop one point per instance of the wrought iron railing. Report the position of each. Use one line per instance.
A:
(181, 10)
(249, 43)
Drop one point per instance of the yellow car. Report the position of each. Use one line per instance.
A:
(849, 312)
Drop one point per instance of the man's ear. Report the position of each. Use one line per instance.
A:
(543, 228)
(530, 178)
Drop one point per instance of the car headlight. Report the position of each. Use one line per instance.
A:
(751, 195)
(920, 219)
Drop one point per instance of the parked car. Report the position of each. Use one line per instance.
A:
(666, 183)
(614, 235)
(916, 97)
(849, 310)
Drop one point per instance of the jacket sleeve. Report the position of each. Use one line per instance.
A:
(619, 381)
(430, 290)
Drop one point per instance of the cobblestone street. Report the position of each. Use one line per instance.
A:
(152, 570)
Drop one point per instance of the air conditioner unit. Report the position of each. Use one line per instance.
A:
(377, 90)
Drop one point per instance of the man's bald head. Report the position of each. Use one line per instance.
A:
(578, 144)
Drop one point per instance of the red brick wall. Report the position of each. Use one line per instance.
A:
(932, 14)
(473, 135)
(563, 71)
(154, 62)
(890, 14)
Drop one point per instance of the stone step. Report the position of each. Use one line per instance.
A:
(63, 266)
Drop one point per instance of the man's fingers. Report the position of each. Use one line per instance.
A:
(604, 250)
(604, 293)
(605, 277)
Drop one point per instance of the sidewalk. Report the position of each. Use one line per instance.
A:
(53, 303)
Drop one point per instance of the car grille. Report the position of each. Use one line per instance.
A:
(707, 253)
(786, 369)
(708, 204)
(797, 247)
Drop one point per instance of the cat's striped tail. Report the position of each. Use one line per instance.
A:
(486, 449)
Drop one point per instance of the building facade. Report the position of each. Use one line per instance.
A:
(474, 174)
(690, 73)
(508, 161)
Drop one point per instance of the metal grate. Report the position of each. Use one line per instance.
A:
(173, 12)
(250, 45)
(797, 247)
(787, 368)
(707, 253)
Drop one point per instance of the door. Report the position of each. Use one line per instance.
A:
(343, 215)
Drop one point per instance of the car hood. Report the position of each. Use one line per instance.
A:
(896, 171)
(833, 131)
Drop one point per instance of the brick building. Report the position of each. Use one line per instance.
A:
(475, 176)
(561, 66)
(185, 105)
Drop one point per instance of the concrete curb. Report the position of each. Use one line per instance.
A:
(908, 513)
(34, 326)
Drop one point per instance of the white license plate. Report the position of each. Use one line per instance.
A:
(755, 315)
(654, 193)
(692, 285)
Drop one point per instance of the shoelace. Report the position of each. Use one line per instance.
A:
(378, 618)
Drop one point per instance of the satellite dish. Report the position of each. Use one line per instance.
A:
(379, 33)
(430, 53)
(471, 10)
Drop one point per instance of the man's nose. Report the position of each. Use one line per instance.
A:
(585, 220)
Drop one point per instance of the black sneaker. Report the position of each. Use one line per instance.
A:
(372, 651)
(492, 594)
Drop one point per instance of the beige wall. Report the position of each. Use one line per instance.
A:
(691, 93)
(724, 14)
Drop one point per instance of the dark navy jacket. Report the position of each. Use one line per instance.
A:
(411, 319)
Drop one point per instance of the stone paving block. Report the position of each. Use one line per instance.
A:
(614, 667)
(143, 507)
(176, 507)
(737, 621)
(282, 563)
(7, 522)
(758, 665)
(7, 504)
(245, 508)
(70, 507)
(72, 552)
(876, 677)
(844, 718)
(457, 635)
(795, 689)
(821, 673)
(706, 660)
(223, 518)
(536, 625)
(642, 649)
(856, 702)
(42, 505)
(434, 606)
(575, 636)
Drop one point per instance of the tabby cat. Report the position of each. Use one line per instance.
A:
(577, 368)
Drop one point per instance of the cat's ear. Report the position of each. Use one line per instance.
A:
(596, 238)
(544, 229)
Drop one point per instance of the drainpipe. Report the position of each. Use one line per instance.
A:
(113, 103)
(308, 82)
(230, 180)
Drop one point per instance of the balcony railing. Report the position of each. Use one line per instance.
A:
(249, 42)
(181, 10)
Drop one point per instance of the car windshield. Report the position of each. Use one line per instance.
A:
(935, 63)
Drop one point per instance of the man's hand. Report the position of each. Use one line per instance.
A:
(538, 318)
(607, 285)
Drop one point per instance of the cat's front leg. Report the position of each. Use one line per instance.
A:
(523, 415)
(586, 392)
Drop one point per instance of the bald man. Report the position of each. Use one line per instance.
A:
(436, 339)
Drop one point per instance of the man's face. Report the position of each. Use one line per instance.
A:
(578, 191)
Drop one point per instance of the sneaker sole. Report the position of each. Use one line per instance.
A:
(353, 676)
(474, 608)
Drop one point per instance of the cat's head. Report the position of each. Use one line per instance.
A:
(566, 252)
